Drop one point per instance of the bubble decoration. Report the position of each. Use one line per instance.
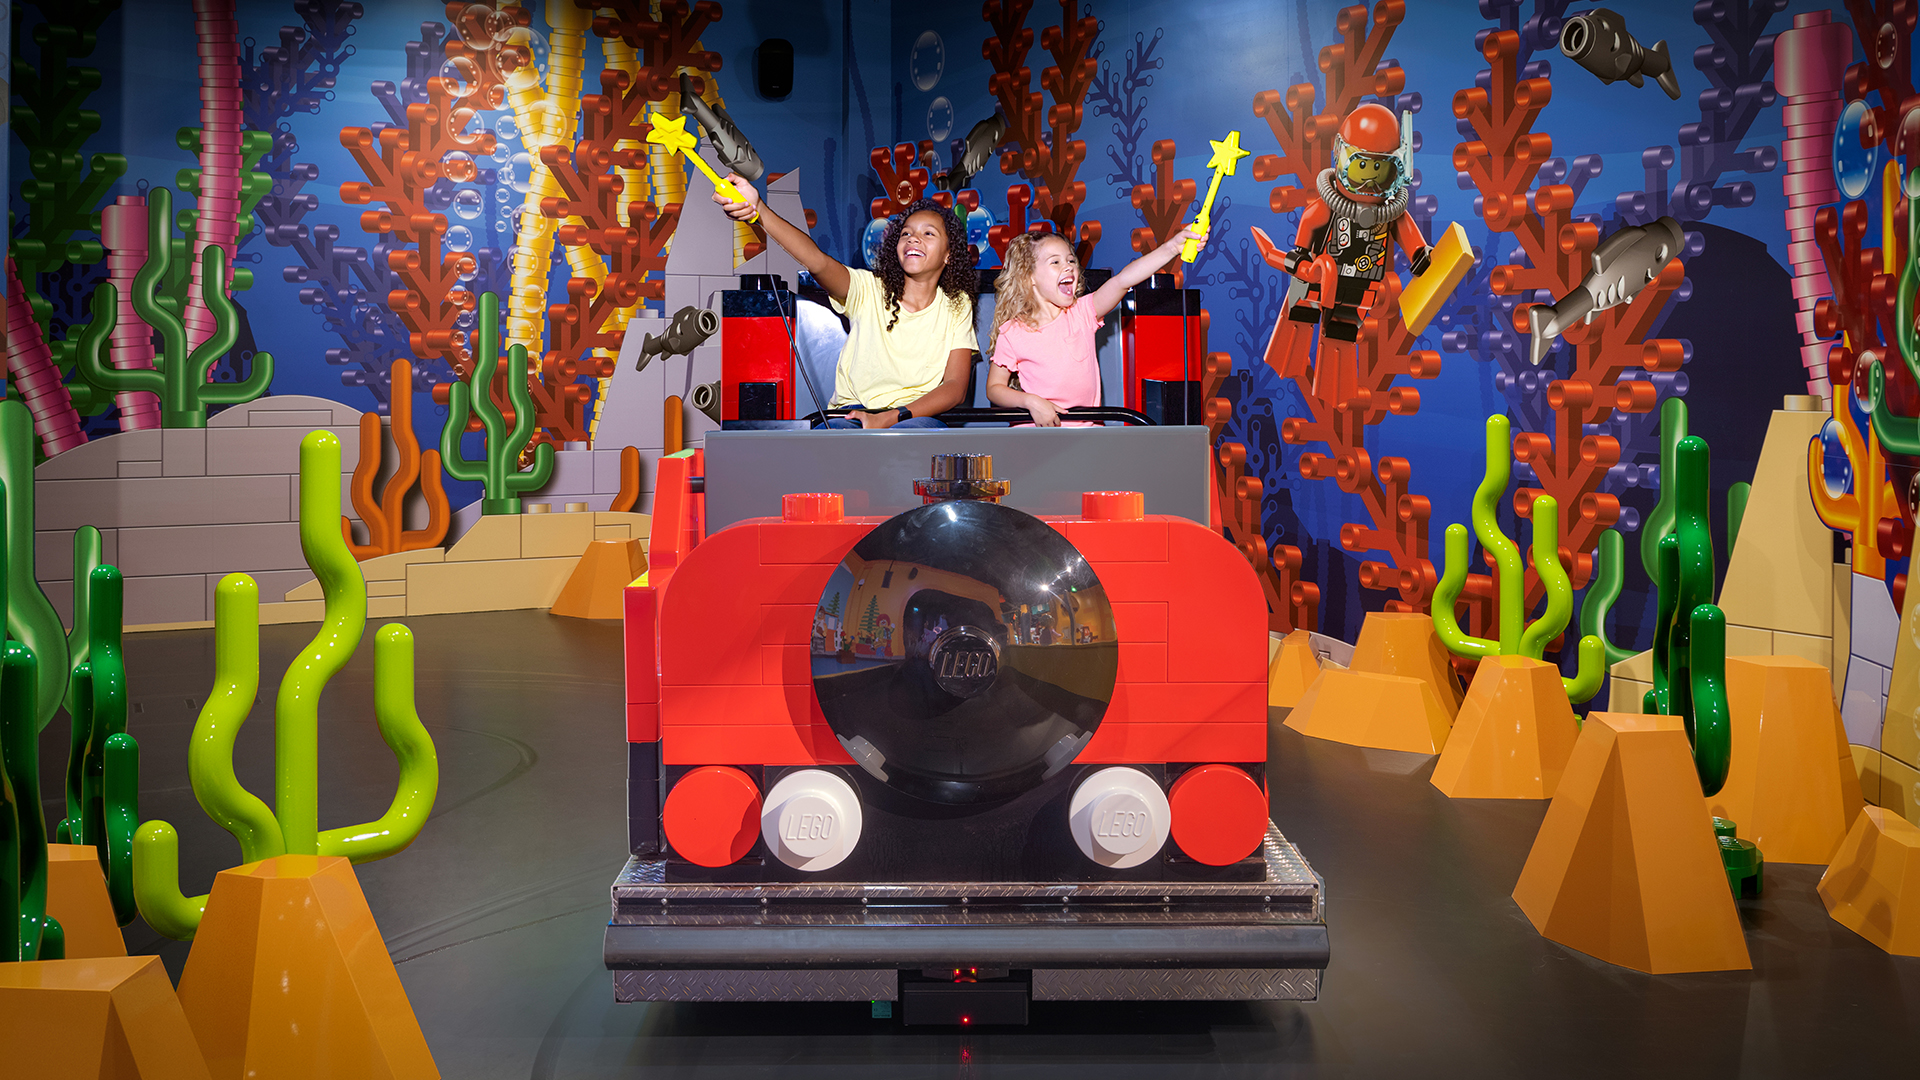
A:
(520, 58)
(457, 166)
(461, 75)
(1853, 163)
(468, 203)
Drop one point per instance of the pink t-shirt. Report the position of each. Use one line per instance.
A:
(1056, 361)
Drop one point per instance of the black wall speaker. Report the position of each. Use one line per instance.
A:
(774, 68)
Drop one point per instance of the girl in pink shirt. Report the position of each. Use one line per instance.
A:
(1043, 328)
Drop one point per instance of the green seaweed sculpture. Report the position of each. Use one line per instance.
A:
(1737, 497)
(500, 469)
(1690, 649)
(23, 826)
(1517, 636)
(292, 827)
(103, 764)
(86, 556)
(178, 376)
(1659, 522)
(1602, 591)
(31, 619)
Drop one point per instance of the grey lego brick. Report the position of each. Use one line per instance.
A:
(129, 469)
(274, 584)
(253, 451)
(210, 549)
(183, 452)
(181, 598)
(100, 458)
(606, 472)
(572, 477)
(172, 500)
(53, 552)
(275, 411)
(302, 418)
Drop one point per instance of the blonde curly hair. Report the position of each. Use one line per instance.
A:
(1013, 292)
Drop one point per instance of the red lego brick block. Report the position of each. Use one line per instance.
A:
(806, 542)
(710, 616)
(672, 515)
(1144, 540)
(1137, 582)
(737, 704)
(1122, 743)
(787, 624)
(786, 664)
(643, 721)
(793, 583)
(1191, 703)
(1141, 621)
(1142, 661)
(1218, 621)
(639, 632)
(1219, 814)
(712, 816)
(720, 744)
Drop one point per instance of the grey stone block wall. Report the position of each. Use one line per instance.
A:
(178, 509)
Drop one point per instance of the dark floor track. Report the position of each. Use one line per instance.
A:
(495, 914)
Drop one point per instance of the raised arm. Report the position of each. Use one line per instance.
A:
(825, 269)
(1108, 296)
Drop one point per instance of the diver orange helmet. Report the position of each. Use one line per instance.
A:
(1371, 154)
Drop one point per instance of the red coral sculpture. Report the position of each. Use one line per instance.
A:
(587, 174)
(400, 165)
(1051, 158)
(1163, 206)
(1568, 464)
(902, 177)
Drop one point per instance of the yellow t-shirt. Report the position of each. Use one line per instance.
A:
(885, 369)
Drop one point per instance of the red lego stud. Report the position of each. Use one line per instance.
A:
(1219, 814)
(812, 506)
(712, 816)
(1113, 505)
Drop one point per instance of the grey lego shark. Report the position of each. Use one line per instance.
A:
(982, 141)
(733, 149)
(1598, 41)
(1623, 264)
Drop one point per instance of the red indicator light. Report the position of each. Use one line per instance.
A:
(966, 1019)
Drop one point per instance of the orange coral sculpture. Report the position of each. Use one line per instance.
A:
(386, 519)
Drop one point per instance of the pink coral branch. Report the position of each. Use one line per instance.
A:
(123, 230)
(30, 366)
(222, 126)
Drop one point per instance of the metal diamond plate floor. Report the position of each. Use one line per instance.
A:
(496, 914)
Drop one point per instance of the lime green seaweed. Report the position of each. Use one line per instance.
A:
(31, 619)
(292, 827)
(1517, 637)
(500, 470)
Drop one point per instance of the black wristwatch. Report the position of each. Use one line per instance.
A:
(902, 414)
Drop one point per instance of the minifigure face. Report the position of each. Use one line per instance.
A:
(1056, 273)
(1368, 174)
(923, 244)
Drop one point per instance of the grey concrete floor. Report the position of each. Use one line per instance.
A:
(495, 915)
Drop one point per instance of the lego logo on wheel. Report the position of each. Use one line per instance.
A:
(965, 660)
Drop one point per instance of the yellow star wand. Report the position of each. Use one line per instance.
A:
(1226, 157)
(673, 134)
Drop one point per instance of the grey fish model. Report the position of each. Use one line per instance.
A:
(690, 329)
(1598, 41)
(1623, 264)
(986, 136)
(733, 149)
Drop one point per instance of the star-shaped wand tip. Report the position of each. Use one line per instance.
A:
(670, 132)
(1227, 153)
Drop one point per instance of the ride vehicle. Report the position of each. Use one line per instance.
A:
(962, 758)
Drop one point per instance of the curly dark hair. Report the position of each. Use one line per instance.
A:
(958, 279)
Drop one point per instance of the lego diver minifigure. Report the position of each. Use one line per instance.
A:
(1344, 246)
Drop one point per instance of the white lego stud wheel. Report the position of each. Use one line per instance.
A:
(811, 819)
(1119, 817)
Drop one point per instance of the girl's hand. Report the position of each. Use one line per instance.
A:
(1044, 412)
(874, 421)
(739, 211)
(1192, 232)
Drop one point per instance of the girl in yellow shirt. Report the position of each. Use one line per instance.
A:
(910, 345)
